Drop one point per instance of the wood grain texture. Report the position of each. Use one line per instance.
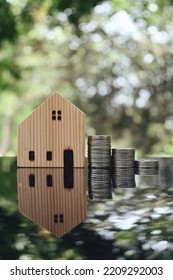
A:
(41, 203)
(39, 133)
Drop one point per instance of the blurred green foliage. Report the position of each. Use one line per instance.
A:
(74, 8)
(113, 59)
(7, 22)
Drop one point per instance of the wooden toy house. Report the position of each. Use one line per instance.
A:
(52, 136)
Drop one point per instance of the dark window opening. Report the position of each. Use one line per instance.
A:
(49, 180)
(31, 155)
(56, 115)
(32, 180)
(68, 169)
(49, 155)
(68, 178)
(68, 158)
(55, 218)
(61, 218)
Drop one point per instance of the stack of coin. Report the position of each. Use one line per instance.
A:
(123, 168)
(99, 151)
(146, 167)
(99, 183)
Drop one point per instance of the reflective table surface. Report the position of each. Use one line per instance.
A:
(59, 220)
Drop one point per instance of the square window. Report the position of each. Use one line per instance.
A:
(53, 118)
(31, 155)
(49, 155)
(59, 112)
(53, 112)
(59, 118)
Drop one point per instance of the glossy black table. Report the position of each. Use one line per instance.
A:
(135, 224)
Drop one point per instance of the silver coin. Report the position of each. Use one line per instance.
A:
(147, 163)
(99, 138)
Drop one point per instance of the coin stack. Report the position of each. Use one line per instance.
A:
(99, 163)
(99, 151)
(99, 184)
(146, 167)
(123, 168)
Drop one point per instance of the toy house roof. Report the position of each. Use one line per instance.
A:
(53, 97)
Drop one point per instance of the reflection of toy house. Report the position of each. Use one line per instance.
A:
(52, 136)
(44, 198)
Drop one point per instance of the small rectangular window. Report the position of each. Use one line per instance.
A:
(31, 155)
(59, 112)
(32, 180)
(53, 118)
(55, 218)
(49, 155)
(53, 112)
(59, 118)
(61, 218)
(49, 180)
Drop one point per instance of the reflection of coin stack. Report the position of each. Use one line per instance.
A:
(146, 167)
(99, 183)
(123, 170)
(99, 163)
